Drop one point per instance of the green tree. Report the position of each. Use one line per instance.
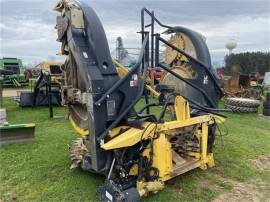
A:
(247, 62)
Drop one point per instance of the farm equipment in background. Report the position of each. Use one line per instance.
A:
(265, 85)
(12, 72)
(31, 73)
(240, 85)
(243, 93)
(12, 133)
(45, 82)
(156, 73)
(266, 105)
(136, 151)
(53, 68)
(43, 93)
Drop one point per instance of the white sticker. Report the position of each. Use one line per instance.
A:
(85, 55)
(108, 195)
(131, 83)
(135, 77)
(205, 79)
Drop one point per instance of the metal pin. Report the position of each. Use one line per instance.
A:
(110, 172)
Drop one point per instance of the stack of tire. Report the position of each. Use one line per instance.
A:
(242, 105)
(266, 105)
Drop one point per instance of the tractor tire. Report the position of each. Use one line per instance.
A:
(266, 105)
(266, 111)
(267, 95)
(242, 109)
(242, 102)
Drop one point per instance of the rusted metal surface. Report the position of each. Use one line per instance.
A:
(238, 85)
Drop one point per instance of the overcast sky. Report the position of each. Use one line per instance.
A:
(27, 26)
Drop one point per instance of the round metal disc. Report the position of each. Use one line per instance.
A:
(178, 62)
(178, 85)
(182, 42)
(78, 112)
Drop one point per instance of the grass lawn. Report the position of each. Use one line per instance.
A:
(39, 171)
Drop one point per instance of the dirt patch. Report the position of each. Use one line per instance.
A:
(9, 197)
(174, 186)
(254, 191)
(262, 162)
(10, 93)
(203, 183)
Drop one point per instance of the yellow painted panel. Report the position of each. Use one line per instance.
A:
(162, 158)
(79, 130)
(115, 131)
(178, 124)
(29, 125)
(130, 137)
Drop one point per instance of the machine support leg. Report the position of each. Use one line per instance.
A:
(49, 87)
(204, 145)
(146, 97)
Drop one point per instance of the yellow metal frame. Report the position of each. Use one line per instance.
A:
(133, 135)
(162, 151)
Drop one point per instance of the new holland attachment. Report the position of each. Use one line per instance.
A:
(136, 150)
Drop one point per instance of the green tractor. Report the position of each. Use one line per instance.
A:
(13, 72)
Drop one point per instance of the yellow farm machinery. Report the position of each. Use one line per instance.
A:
(45, 82)
(136, 150)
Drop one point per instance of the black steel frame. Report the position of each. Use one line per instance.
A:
(136, 68)
(143, 63)
(155, 37)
